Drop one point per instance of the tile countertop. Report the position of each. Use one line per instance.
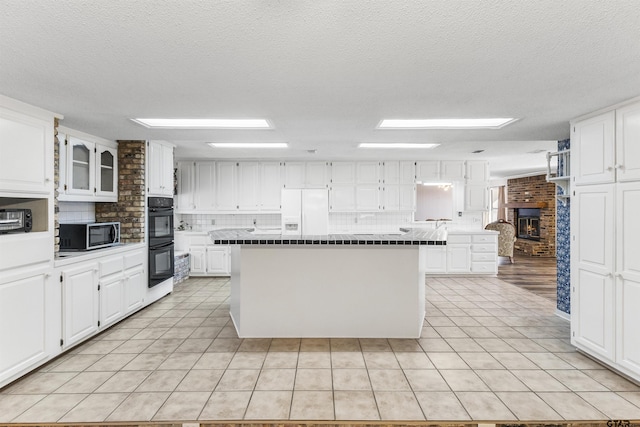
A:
(405, 236)
(65, 258)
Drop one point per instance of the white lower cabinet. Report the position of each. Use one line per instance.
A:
(134, 289)
(111, 300)
(80, 303)
(458, 258)
(121, 286)
(198, 259)
(436, 261)
(24, 317)
(210, 260)
(218, 260)
(206, 259)
(100, 292)
(464, 254)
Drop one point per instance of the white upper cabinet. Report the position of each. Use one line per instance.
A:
(368, 197)
(248, 186)
(227, 186)
(452, 170)
(160, 169)
(428, 171)
(205, 186)
(367, 173)
(270, 186)
(80, 167)
(407, 173)
(476, 197)
(88, 167)
(316, 175)
(398, 198)
(398, 190)
(185, 197)
(628, 143)
(343, 172)
(391, 172)
(476, 171)
(342, 198)
(306, 174)
(26, 152)
(593, 151)
(294, 174)
(106, 172)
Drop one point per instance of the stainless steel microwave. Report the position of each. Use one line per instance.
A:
(15, 220)
(83, 237)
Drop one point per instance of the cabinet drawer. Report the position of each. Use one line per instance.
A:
(483, 248)
(133, 259)
(483, 267)
(458, 238)
(484, 238)
(200, 240)
(111, 265)
(483, 256)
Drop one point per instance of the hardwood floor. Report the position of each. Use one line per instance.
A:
(534, 274)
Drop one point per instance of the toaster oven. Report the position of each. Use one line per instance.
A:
(15, 220)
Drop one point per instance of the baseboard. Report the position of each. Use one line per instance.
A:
(563, 315)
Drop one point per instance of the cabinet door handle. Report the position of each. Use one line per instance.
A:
(619, 166)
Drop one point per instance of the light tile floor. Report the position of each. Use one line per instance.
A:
(489, 351)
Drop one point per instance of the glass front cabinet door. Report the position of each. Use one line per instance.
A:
(107, 171)
(80, 167)
(88, 169)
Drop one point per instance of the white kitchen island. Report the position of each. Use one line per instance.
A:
(335, 286)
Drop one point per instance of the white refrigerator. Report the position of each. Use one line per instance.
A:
(305, 212)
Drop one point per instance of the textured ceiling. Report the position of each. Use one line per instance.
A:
(324, 73)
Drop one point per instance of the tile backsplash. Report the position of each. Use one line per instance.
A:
(339, 222)
(70, 212)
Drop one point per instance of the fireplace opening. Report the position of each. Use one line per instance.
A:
(528, 223)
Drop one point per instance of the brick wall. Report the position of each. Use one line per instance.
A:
(129, 209)
(56, 184)
(535, 189)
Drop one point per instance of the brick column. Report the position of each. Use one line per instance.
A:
(129, 209)
(56, 184)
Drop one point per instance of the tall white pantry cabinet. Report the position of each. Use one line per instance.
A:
(605, 243)
(29, 298)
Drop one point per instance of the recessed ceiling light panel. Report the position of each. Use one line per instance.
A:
(248, 144)
(204, 123)
(398, 145)
(487, 123)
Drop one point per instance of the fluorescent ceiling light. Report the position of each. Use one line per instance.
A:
(490, 123)
(395, 145)
(248, 144)
(205, 123)
(436, 184)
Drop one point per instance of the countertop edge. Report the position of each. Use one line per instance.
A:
(96, 253)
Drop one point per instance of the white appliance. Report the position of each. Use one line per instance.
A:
(305, 212)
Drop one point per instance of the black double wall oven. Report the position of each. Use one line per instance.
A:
(160, 239)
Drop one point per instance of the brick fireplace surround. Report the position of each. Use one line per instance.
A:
(535, 189)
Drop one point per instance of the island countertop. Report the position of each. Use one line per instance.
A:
(405, 236)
